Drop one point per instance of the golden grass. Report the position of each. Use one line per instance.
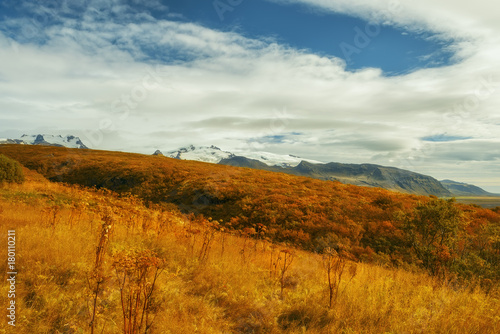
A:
(226, 284)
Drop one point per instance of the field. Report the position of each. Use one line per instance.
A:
(485, 202)
(136, 244)
(208, 281)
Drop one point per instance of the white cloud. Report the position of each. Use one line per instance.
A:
(97, 73)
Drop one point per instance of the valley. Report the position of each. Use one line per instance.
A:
(489, 202)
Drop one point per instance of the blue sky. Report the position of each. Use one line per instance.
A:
(360, 43)
(392, 49)
(409, 84)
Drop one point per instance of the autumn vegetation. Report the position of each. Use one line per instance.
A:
(10, 170)
(112, 242)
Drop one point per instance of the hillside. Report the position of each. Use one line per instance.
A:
(369, 224)
(464, 189)
(368, 175)
(84, 255)
(374, 176)
(357, 174)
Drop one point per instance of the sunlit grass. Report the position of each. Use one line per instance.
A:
(228, 283)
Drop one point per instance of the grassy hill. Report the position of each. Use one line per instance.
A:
(367, 224)
(96, 257)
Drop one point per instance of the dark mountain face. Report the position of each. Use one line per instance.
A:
(158, 152)
(39, 140)
(239, 161)
(357, 174)
(374, 176)
(464, 189)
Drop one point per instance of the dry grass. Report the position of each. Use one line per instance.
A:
(224, 285)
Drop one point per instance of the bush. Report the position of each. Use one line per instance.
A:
(10, 170)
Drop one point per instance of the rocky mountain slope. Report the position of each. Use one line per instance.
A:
(357, 174)
(214, 154)
(48, 140)
(464, 189)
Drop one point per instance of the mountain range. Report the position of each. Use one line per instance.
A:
(213, 154)
(49, 140)
(464, 189)
(370, 175)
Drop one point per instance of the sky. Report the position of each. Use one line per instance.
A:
(400, 83)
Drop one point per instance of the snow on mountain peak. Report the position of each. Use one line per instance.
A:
(214, 154)
(68, 141)
(272, 159)
(211, 154)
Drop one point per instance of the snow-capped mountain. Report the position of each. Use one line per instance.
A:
(50, 140)
(357, 174)
(11, 141)
(280, 160)
(211, 154)
(214, 154)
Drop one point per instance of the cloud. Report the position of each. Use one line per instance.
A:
(122, 78)
(470, 150)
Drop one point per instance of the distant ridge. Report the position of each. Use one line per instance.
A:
(369, 175)
(211, 154)
(47, 140)
(214, 154)
(464, 189)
